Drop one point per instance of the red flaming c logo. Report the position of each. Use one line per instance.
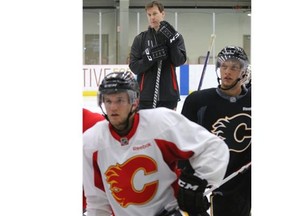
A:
(121, 176)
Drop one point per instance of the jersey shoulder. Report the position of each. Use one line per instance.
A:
(90, 118)
(202, 96)
(160, 116)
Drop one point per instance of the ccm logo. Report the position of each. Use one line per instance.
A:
(187, 186)
(175, 37)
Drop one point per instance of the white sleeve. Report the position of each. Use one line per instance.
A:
(210, 153)
(96, 206)
(97, 202)
(211, 162)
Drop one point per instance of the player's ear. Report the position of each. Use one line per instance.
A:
(136, 103)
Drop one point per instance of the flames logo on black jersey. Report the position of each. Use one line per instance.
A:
(235, 131)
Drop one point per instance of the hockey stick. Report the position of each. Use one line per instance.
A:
(213, 36)
(156, 91)
(242, 169)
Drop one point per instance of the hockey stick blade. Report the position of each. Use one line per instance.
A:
(213, 36)
(228, 178)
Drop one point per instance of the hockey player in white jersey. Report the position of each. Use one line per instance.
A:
(129, 161)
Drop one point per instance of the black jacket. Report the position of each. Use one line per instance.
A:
(146, 71)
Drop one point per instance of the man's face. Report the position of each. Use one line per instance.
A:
(230, 71)
(117, 107)
(154, 17)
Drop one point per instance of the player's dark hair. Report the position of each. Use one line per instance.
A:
(155, 3)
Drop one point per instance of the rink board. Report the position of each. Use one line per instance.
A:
(188, 77)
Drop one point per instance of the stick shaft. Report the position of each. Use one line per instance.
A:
(157, 84)
(203, 71)
(228, 178)
(206, 61)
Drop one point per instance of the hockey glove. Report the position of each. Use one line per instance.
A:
(167, 32)
(174, 212)
(190, 197)
(155, 53)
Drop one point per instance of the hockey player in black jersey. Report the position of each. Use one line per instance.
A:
(226, 112)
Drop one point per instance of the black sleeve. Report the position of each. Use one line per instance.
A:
(189, 109)
(137, 65)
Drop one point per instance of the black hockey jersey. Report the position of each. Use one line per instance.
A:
(229, 118)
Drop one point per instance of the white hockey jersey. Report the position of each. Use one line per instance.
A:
(136, 175)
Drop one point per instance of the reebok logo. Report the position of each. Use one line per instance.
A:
(246, 108)
(136, 148)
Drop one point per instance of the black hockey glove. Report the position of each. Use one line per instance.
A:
(155, 53)
(167, 32)
(190, 197)
(174, 212)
